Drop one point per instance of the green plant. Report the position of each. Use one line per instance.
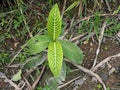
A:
(74, 4)
(44, 88)
(4, 57)
(56, 48)
(99, 87)
(113, 26)
(93, 25)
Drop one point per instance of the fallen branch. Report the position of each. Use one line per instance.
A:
(107, 3)
(63, 10)
(99, 44)
(2, 75)
(12, 60)
(87, 18)
(78, 37)
(61, 86)
(39, 77)
(29, 86)
(105, 61)
(89, 72)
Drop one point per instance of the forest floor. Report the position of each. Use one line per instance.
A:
(93, 26)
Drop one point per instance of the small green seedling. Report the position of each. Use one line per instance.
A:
(56, 48)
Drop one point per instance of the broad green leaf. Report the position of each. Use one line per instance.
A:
(38, 43)
(55, 57)
(54, 23)
(33, 62)
(74, 4)
(17, 76)
(72, 52)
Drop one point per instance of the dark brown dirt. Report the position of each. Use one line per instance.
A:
(108, 48)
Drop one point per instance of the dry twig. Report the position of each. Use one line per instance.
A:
(37, 80)
(78, 37)
(87, 18)
(80, 8)
(61, 86)
(107, 3)
(89, 72)
(99, 44)
(2, 75)
(29, 86)
(118, 37)
(16, 54)
(63, 10)
(105, 61)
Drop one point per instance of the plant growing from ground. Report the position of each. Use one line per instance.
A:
(56, 48)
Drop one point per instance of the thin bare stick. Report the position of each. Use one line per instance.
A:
(89, 72)
(63, 10)
(2, 75)
(41, 31)
(71, 23)
(78, 37)
(99, 44)
(118, 37)
(70, 28)
(105, 61)
(87, 18)
(80, 8)
(61, 86)
(66, 31)
(14, 66)
(23, 85)
(88, 36)
(30, 87)
(106, 1)
(16, 55)
(37, 80)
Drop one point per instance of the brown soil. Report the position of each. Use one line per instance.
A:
(108, 48)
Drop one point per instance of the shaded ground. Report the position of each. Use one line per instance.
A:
(110, 73)
(109, 47)
(112, 80)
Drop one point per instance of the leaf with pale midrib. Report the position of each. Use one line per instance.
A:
(54, 23)
(55, 57)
